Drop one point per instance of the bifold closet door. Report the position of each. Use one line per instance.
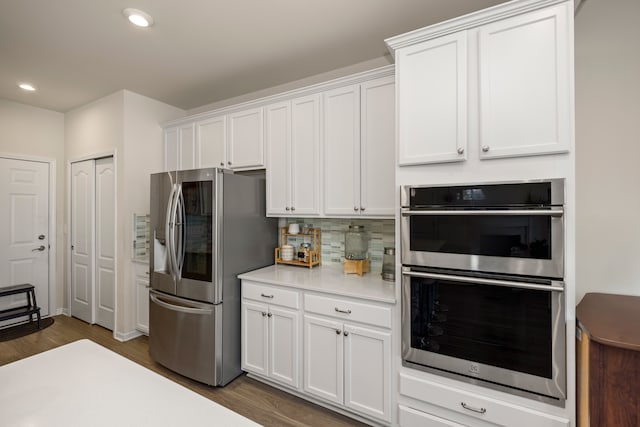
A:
(93, 241)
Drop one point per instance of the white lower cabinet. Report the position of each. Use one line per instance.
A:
(346, 362)
(270, 333)
(345, 343)
(141, 281)
(464, 407)
(409, 417)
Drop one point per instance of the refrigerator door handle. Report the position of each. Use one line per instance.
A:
(169, 229)
(180, 227)
(180, 308)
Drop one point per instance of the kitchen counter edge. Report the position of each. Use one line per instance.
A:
(328, 280)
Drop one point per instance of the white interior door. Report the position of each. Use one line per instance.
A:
(24, 229)
(82, 241)
(105, 243)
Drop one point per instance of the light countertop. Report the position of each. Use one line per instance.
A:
(327, 279)
(83, 383)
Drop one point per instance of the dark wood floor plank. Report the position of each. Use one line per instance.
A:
(248, 397)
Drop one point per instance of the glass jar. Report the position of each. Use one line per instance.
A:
(355, 243)
(389, 264)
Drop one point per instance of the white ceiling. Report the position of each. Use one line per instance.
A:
(198, 51)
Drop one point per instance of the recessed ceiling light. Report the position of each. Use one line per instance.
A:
(138, 17)
(27, 86)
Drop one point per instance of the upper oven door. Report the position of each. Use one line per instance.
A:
(511, 240)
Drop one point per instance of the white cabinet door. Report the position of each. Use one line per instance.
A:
(142, 303)
(179, 147)
(432, 100)
(211, 144)
(367, 371)
(284, 357)
(278, 144)
(171, 143)
(377, 147)
(342, 151)
(255, 338)
(246, 139)
(305, 155)
(187, 147)
(323, 358)
(524, 85)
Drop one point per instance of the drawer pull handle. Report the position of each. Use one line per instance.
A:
(471, 408)
(266, 296)
(343, 311)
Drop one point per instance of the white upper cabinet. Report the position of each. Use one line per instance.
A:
(293, 157)
(524, 85)
(432, 101)
(359, 158)
(212, 142)
(179, 145)
(377, 147)
(503, 83)
(246, 139)
(342, 151)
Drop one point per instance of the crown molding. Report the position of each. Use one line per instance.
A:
(465, 22)
(387, 70)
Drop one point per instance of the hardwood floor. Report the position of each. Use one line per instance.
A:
(252, 399)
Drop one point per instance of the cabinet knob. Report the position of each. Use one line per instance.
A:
(287, 209)
(485, 148)
(355, 208)
(221, 163)
(269, 315)
(338, 331)
(229, 162)
(293, 208)
(362, 208)
(460, 150)
(264, 314)
(346, 334)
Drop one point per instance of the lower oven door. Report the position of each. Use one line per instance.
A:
(502, 333)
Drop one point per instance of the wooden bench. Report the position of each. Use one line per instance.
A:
(26, 310)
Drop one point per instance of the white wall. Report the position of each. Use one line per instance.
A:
(36, 132)
(607, 63)
(127, 125)
(142, 155)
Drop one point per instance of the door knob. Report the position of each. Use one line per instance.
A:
(40, 248)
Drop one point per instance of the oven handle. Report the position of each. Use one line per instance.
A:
(556, 212)
(482, 281)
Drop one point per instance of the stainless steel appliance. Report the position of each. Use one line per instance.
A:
(511, 228)
(482, 285)
(207, 226)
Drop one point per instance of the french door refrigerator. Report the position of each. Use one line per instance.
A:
(207, 226)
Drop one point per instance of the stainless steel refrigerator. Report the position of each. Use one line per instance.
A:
(207, 226)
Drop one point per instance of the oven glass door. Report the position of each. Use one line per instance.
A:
(510, 333)
(524, 242)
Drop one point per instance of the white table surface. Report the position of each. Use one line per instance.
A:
(332, 280)
(85, 384)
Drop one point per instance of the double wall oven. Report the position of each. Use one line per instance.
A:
(482, 289)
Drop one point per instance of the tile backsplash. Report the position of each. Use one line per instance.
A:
(381, 234)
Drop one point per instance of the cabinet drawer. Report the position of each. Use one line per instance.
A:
(409, 417)
(467, 403)
(270, 294)
(349, 310)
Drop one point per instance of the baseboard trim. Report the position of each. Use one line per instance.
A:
(63, 311)
(126, 336)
